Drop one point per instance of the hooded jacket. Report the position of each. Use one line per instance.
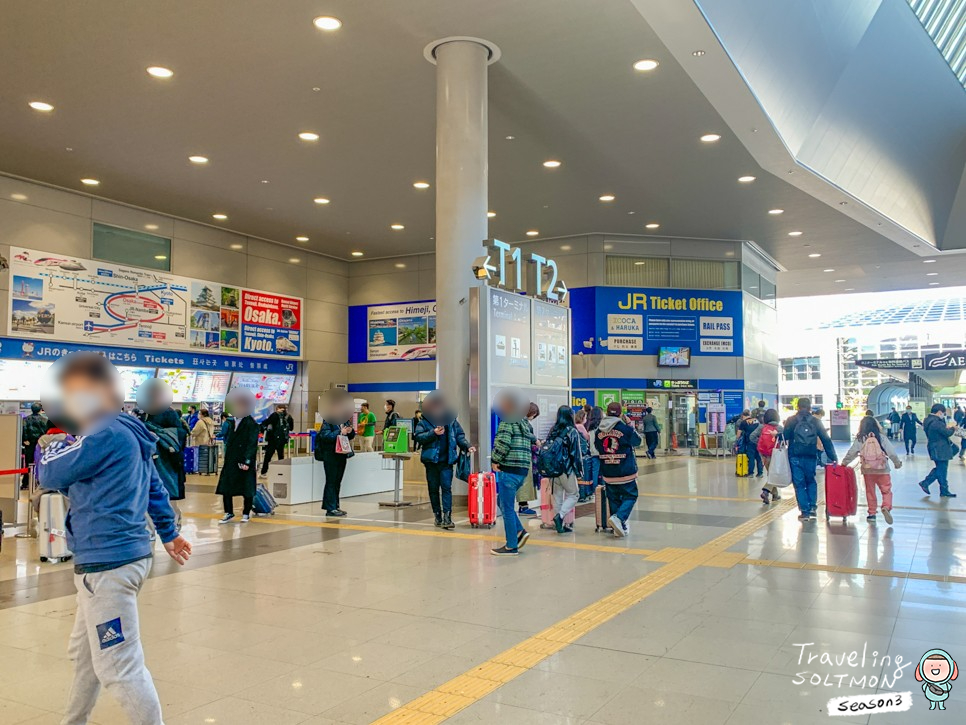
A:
(615, 441)
(110, 479)
(945, 685)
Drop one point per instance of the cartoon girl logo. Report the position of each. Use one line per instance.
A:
(936, 671)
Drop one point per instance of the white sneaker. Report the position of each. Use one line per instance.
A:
(617, 525)
(245, 518)
(887, 515)
(225, 519)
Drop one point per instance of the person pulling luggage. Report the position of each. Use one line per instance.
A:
(652, 431)
(561, 460)
(237, 476)
(803, 431)
(511, 459)
(615, 440)
(440, 438)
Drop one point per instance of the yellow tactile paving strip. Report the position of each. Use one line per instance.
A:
(459, 693)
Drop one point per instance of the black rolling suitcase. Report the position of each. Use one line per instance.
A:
(208, 460)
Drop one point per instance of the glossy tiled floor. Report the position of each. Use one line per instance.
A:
(295, 620)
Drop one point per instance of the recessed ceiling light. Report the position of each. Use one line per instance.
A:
(509, 138)
(710, 137)
(932, 274)
(746, 179)
(814, 255)
(652, 225)
(320, 200)
(90, 182)
(828, 270)
(397, 227)
(933, 284)
(160, 256)
(327, 22)
(294, 260)
(928, 261)
(850, 289)
(776, 212)
(309, 136)
(840, 280)
(794, 234)
(639, 264)
(646, 65)
(18, 197)
(151, 227)
(491, 214)
(159, 71)
(400, 265)
(301, 239)
(357, 254)
(532, 233)
(565, 247)
(219, 217)
(41, 106)
(198, 159)
(608, 197)
(551, 164)
(421, 184)
(236, 246)
(697, 53)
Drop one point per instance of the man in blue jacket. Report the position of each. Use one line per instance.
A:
(110, 478)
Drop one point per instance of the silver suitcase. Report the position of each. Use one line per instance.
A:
(52, 528)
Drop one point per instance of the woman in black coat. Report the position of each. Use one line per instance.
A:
(238, 473)
(334, 463)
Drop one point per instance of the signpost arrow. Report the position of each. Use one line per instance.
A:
(563, 291)
(487, 266)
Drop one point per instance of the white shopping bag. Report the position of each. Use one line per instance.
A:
(780, 470)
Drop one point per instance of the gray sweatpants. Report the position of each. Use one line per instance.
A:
(105, 647)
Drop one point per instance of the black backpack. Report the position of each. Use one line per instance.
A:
(806, 433)
(552, 457)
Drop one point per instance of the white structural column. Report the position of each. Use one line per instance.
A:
(461, 201)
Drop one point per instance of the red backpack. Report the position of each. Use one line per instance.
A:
(767, 439)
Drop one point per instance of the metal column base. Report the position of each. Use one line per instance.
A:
(394, 504)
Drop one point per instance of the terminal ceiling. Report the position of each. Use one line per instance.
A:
(249, 76)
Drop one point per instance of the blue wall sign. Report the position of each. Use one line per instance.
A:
(639, 321)
(45, 351)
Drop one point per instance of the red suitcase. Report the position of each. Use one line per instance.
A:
(482, 500)
(841, 491)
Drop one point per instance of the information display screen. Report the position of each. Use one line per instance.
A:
(510, 344)
(131, 379)
(210, 386)
(551, 345)
(674, 357)
(181, 382)
(21, 379)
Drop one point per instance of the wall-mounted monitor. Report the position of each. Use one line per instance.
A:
(131, 379)
(210, 386)
(674, 357)
(181, 382)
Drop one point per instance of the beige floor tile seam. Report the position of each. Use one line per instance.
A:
(462, 691)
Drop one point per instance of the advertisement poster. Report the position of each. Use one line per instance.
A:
(636, 321)
(99, 303)
(271, 324)
(404, 331)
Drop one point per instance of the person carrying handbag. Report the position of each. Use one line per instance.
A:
(333, 448)
(768, 438)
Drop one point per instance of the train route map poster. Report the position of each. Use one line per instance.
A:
(99, 303)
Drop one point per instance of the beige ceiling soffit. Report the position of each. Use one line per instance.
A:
(683, 29)
(219, 227)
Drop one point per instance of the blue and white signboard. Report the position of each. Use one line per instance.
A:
(400, 332)
(640, 321)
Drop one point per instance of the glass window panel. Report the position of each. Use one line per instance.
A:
(637, 271)
(124, 246)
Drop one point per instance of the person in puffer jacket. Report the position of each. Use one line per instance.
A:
(615, 440)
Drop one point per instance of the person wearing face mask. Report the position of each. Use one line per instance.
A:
(392, 417)
(237, 476)
(277, 429)
(939, 433)
(110, 478)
